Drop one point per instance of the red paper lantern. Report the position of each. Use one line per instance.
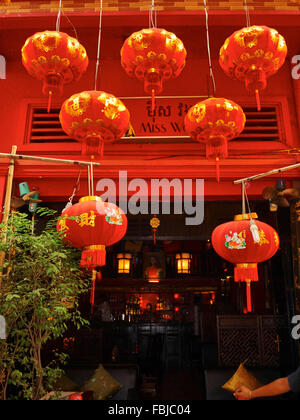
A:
(55, 58)
(94, 118)
(253, 54)
(153, 55)
(92, 225)
(214, 122)
(97, 224)
(234, 242)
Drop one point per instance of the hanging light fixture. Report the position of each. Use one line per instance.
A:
(153, 55)
(252, 54)
(214, 122)
(245, 242)
(124, 263)
(55, 58)
(183, 263)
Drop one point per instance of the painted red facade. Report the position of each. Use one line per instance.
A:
(143, 158)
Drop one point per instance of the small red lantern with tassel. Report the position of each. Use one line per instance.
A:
(153, 55)
(214, 122)
(93, 225)
(56, 59)
(94, 118)
(154, 223)
(245, 242)
(251, 55)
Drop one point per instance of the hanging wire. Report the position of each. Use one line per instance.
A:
(92, 178)
(74, 29)
(75, 191)
(58, 16)
(211, 74)
(99, 43)
(253, 226)
(247, 13)
(89, 179)
(152, 16)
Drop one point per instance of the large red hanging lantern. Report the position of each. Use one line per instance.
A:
(153, 55)
(94, 118)
(55, 58)
(92, 225)
(234, 241)
(214, 122)
(251, 55)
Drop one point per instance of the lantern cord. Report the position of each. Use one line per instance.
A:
(99, 43)
(92, 178)
(247, 14)
(243, 199)
(89, 180)
(253, 226)
(211, 74)
(58, 16)
(75, 190)
(152, 16)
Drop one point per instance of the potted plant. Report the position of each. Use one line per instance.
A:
(40, 289)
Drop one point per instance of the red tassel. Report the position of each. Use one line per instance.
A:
(49, 101)
(92, 297)
(257, 100)
(248, 294)
(218, 169)
(93, 146)
(153, 100)
(154, 236)
(244, 272)
(93, 257)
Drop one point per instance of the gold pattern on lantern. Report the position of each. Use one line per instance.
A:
(87, 219)
(259, 53)
(73, 46)
(262, 238)
(138, 42)
(112, 106)
(281, 44)
(151, 55)
(78, 104)
(62, 223)
(248, 37)
(46, 41)
(198, 112)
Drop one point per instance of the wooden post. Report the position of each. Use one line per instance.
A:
(7, 202)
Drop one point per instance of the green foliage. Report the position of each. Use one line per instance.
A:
(41, 280)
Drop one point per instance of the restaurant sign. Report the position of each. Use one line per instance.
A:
(166, 120)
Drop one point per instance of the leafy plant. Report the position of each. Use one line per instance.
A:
(41, 285)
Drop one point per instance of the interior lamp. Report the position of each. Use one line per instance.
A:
(183, 263)
(124, 262)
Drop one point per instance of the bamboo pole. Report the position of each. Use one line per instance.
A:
(272, 172)
(45, 159)
(7, 203)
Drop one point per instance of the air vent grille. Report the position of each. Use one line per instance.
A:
(44, 127)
